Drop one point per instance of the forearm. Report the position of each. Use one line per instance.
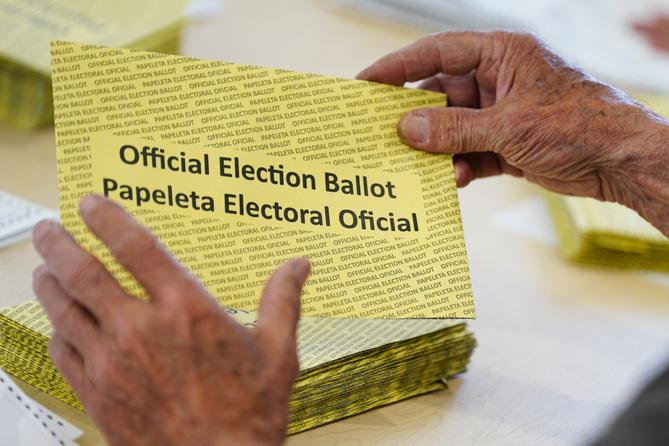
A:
(643, 180)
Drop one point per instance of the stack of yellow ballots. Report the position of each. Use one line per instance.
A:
(347, 365)
(609, 234)
(28, 27)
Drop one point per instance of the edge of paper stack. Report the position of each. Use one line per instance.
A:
(607, 234)
(347, 366)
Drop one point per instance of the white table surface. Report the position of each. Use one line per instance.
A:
(561, 347)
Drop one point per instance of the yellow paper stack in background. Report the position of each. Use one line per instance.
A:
(347, 366)
(609, 234)
(29, 26)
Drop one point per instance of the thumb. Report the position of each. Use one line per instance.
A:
(448, 130)
(279, 309)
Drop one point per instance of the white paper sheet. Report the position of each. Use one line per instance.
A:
(18, 216)
(24, 422)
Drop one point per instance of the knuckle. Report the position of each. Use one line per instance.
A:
(42, 232)
(128, 335)
(66, 317)
(134, 243)
(177, 295)
(46, 240)
(199, 321)
(84, 275)
(40, 277)
(405, 62)
(522, 43)
(451, 133)
(105, 371)
(187, 299)
(441, 35)
(447, 35)
(526, 38)
(96, 216)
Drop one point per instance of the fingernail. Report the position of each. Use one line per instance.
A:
(363, 75)
(301, 268)
(460, 173)
(41, 229)
(88, 204)
(413, 128)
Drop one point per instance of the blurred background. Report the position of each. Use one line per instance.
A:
(620, 41)
(566, 336)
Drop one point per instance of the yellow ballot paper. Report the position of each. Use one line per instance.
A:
(255, 188)
(237, 168)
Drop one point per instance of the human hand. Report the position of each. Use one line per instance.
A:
(517, 108)
(176, 370)
(656, 31)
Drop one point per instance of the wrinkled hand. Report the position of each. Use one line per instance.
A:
(175, 370)
(520, 109)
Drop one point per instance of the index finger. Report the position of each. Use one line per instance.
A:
(454, 53)
(136, 248)
(80, 274)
